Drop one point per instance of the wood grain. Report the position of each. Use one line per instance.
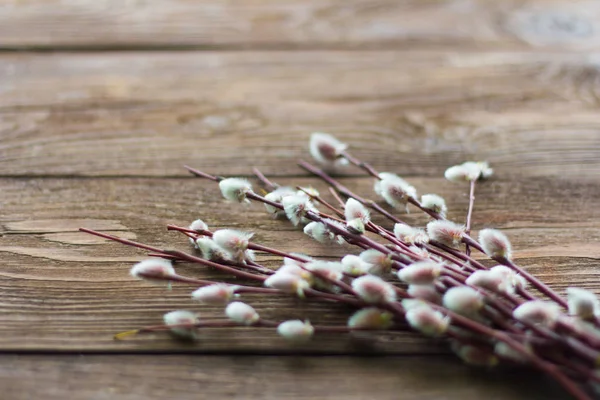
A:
(416, 113)
(114, 97)
(65, 296)
(511, 24)
(200, 377)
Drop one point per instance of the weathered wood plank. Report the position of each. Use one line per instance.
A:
(59, 294)
(328, 378)
(313, 23)
(147, 114)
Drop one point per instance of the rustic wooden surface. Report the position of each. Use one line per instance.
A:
(103, 102)
(86, 377)
(247, 24)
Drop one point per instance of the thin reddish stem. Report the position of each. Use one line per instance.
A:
(360, 164)
(203, 174)
(179, 254)
(270, 185)
(322, 201)
(470, 213)
(336, 196)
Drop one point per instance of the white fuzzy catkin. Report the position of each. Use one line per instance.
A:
(370, 318)
(446, 232)
(410, 235)
(153, 270)
(293, 269)
(326, 149)
(512, 278)
(321, 233)
(490, 281)
(296, 330)
(233, 241)
(356, 210)
(317, 231)
(296, 207)
(484, 168)
(287, 282)
(538, 311)
(329, 270)
(583, 303)
(463, 300)
(419, 251)
(426, 320)
(197, 225)
(425, 292)
(249, 255)
(461, 173)
(374, 290)
(336, 226)
(381, 263)
(396, 191)
(495, 243)
(182, 317)
(235, 189)
(355, 266)
(434, 203)
(326, 274)
(241, 313)
(276, 196)
(212, 251)
(409, 304)
(505, 351)
(356, 226)
(382, 176)
(474, 355)
(420, 273)
(468, 171)
(218, 294)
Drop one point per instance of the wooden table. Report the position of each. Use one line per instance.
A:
(103, 102)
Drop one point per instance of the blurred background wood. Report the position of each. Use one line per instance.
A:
(246, 24)
(146, 114)
(102, 102)
(250, 377)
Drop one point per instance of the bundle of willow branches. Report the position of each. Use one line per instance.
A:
(404, 276)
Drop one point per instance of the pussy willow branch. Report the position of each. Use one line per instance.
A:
(345, 233)
(368, 168)
(261, 323)
(320, 200)
(251, 245)
(405, 250)
(539, 363)
(350, 237)
(470, 213)
(181, 256)
(270, 185)
(496, 312)
(247, 264)
(396, 309)
(539, 285)
(347, 192)
(468, 240)
(317, 217)
(276, 252)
